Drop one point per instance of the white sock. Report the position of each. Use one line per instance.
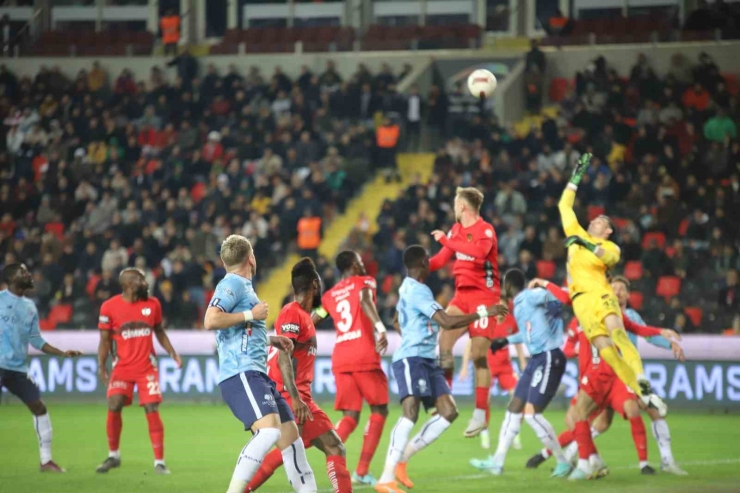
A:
(509, 429)
(158, 462)
(479, 414)
(546, 434)
(643, 463)
(571, 451)
(431, 430)
(399, 439)
(595, 433)
(297, 468)
(116, 454)
(251, 456)
(545, 453)
(662, 435)
(42, 425)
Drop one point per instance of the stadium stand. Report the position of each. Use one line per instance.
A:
(671, 183)
(99, 174)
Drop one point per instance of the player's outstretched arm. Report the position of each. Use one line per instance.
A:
(441, 259)
(479, 248)
(447, 321)
(565, 206)
(49, 349)
(164, 341)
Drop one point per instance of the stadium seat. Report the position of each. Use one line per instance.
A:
(655, 235)
(46, 324)
(558, 88)
(546, 269)
(695, 314)
(595, 211)
(668, 286)
(636, 300)
(60, 314)
(633, 270)
(683, 226)
(732, 83)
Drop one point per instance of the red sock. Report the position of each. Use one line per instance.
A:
(449, 373)
(270, 463)
(639, 437)
(481, 397)
(113, 427)
(336, 468)
(373, 431)
(345, 427)
(565, 438)
(582, 435)
(156, 434)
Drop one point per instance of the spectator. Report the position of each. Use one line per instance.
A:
(387, 144)
(309, 234)
(414, 108)
(114, 258)
(535, 57)
(169, 25)
(729, 296)
(720, 127)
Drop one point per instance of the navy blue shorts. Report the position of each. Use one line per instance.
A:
(422, 378)
(252, 395)
(541, 378)
(20, 385)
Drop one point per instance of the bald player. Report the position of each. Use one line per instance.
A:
(127, 323)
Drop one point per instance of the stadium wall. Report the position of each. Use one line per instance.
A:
(709, 380)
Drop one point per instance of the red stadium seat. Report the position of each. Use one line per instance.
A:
(60, 314)
(636, 300)
(731, 82)
(46, 324)
(668, 286)
(683, 226)
(633, 270)
(91, 284)
(546, 269)
(655, 235)
(595, 211)
(57, 229)
(670, 251)
(558, 88)
(695, 314)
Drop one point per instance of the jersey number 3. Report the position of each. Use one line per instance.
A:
(345, 315)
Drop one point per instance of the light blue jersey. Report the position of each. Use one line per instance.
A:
(539, 316)
(19, 327)
(658, 341)
(242, 347)
(416, 307)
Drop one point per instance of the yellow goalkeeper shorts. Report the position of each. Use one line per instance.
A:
(592, 308)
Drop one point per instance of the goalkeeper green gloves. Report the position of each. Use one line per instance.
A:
(581, 167)
(577, 240)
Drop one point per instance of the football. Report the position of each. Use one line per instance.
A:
(481, 83)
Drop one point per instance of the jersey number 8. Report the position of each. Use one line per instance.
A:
(345, 315)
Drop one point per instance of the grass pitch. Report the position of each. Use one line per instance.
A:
(203, 441)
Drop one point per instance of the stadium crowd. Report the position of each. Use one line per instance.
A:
(100, 173)
(666, 167)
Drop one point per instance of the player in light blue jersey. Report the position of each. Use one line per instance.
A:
(538, 316)
(19, 327)
(418, 375)
(239, 316)
(661, 432)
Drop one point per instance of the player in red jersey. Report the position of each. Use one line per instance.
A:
(475, 246)
(361, 338)
(502, 370)
(602, 389)
(127, 322)
(294, 322)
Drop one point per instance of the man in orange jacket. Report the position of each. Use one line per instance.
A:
(170, 27)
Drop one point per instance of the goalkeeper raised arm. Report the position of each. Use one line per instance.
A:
(590, 255)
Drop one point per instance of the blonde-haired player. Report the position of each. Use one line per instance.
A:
(590, 256)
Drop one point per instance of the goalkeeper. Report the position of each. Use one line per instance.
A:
(590, 255)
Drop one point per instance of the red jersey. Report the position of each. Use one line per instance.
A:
(354, 348)
(295, 323)
(132, 325)
(504, 329)
(476, 253)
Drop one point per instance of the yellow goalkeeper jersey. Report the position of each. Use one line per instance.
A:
(586, 271)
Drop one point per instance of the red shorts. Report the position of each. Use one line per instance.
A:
(147, 383)
(607, 391)
(311, 430)
(356, 387)
(505, 376)
(468, 301)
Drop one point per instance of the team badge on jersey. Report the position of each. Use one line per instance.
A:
(470, 237)
(489, 233)
(146, 311)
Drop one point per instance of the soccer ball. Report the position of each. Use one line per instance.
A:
(481, 83)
